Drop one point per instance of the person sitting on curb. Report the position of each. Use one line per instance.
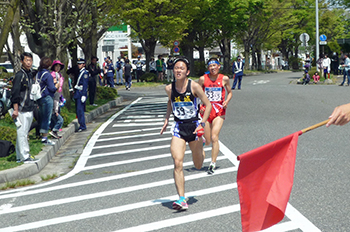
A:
(306, 78)
(316, 77)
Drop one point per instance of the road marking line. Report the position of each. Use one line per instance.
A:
(133, 143)
(130, 131)
(83, 157)
(132, 136)
(115, 177)
(283, 226)
(109, 193)
(184, 219)
(167, 155)
(303, 223)
(114, 210)
(137, 124)
(128, 151)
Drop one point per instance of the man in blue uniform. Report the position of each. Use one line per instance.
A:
(237, 70)
(139, 65)
(80, 93)
(110, 72)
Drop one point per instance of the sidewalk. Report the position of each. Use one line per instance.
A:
(60, 158)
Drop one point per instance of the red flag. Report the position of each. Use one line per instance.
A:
(265, 180)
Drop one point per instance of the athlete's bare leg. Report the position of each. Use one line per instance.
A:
(207, 133)
(216, 126)
(178, 148)
(198, 154)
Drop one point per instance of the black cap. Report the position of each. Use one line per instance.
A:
(81, 61)
(94, 57)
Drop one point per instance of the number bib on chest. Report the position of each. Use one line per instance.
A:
(184, 110)
(213, 93)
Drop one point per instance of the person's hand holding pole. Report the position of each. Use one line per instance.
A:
(340, 115)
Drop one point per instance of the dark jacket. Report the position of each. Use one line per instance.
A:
(20, 92)
(94, 70)
(46, 83)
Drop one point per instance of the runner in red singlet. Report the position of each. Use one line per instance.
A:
(214, 86)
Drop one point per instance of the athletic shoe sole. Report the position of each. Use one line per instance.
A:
(180, 207)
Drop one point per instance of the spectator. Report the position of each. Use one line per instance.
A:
(139, 65)
(326, 63)
(319, 63)
(56, 119)
(316, 77)
(94, 71)
(306, 78)
(159, 66)
(119, 69)
(80, 93)
(109, 72)
(335, 63)
(152, 66)
(127, 74)
(170, 67)
(48, 86)
(23, 107)
(164, 69)
(308, 61)
(346, 69)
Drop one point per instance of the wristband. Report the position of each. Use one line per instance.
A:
(202, 124)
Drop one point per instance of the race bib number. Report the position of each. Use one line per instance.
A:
(184, 110)
(213, 93)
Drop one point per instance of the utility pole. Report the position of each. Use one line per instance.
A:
(317, 34)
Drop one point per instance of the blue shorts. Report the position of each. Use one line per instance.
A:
(184, 130)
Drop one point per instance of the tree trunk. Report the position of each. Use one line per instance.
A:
(225, 50)
(149, 45)
(6, 27)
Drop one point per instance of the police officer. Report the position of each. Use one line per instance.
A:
(80, 93)
(110, 72)
(94, 71)
(139, 65)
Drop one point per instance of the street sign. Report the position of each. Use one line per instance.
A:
(323, 37)
(323, 42)
(176, 43)
(304, 37)
(176, 49)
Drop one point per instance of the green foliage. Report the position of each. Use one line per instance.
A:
(149, 77)
(8, 133)
(67, 116)
(106, 93)
(199, 68)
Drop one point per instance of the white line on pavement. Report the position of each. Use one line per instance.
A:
(184, 219)
(132, 136)
(133, 143)
(114, 210)
(153, 157)
(128, 151)
(109, 178)
(303, 223)
(137, 124)
(130, 131)
(110, 192)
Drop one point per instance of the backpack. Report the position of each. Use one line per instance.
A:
(6, 148)
(36, 89)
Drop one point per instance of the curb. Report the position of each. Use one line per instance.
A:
(47, 152)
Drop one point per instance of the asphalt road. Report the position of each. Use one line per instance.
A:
(123, 180)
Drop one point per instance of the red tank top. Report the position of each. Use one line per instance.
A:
(214, 90)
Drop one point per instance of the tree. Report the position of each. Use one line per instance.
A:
(6, 24)
(153, 21)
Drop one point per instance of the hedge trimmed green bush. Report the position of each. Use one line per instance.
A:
(106, 93)
(149, 77)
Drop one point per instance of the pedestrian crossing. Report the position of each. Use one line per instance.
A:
(123, 181)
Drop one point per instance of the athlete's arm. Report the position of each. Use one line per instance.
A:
(226, 81)
(168, 110)
(201, 81)
(198, 92)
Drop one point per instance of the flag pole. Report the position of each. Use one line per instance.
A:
(315, 126)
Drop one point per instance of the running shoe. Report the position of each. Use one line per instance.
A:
(48, 142)
(30, 160)
(180, 204)
(211, 168)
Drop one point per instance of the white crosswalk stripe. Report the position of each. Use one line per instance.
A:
(126, 171)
